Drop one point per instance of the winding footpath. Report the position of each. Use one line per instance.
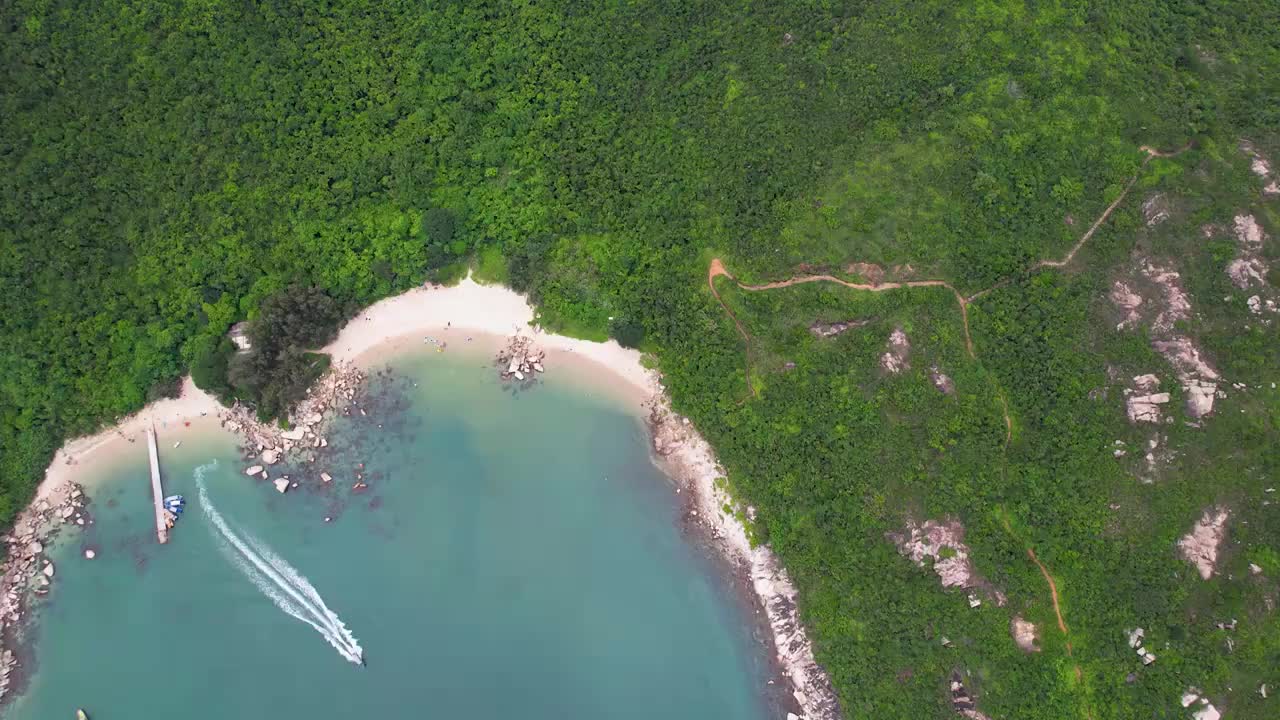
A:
(716, 269)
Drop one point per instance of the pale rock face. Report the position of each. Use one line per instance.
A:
(1177, 304)
(1145, 408)
(1249, 235)
(1246, 272)
(1146, 383)
(1198, 378)
(1200, 546)
(1024, 634)
(1155, 209)
(894, 360)
(1208, 712)
(1128, 302)
(1199, 398)
(933, 540)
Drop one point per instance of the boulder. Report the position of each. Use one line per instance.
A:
(35, 548)
(270, 456)
(48, 570)
(281, 485)
(295, 434)
(90, 554)
(326, 477)
(253, 470)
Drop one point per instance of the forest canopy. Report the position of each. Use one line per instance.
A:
(169, 169)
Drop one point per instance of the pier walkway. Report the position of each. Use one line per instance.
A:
(157, 492)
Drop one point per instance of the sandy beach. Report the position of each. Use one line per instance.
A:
(489, 315)
(191, 413)
(451, 314)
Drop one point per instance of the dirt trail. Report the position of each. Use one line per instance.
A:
(717, 269)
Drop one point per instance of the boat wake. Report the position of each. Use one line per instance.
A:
(277, 579)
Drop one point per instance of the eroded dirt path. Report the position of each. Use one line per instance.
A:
(717, 269)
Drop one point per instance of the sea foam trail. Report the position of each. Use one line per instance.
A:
(276, 579)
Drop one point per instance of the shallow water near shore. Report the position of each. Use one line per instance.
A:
(516, 555)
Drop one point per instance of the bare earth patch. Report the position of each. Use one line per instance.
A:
(1025, 634)
(1200, 546)
(870, 272)
(897, 352)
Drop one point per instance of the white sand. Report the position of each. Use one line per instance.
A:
(74, 458)
(451, 314)
(465, 308)
(472, 307)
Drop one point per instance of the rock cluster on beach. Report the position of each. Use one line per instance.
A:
(26, 566)
(519, 360)
(270, 444)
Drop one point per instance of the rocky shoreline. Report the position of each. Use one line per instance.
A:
(27, 568)
(677, 447)
(687, 457)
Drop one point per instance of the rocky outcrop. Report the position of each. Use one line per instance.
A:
(896, 357)
(1024, 634)
(25, 571)
(519, 360)
(1200, 546)
(826, 330)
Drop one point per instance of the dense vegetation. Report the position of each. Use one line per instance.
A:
(168, 169)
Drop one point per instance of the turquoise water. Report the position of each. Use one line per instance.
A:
(515, 556)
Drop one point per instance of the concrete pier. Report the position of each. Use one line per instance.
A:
(157, 491)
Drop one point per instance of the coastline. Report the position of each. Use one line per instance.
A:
(448, 314)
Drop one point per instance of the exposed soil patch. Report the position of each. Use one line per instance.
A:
(1200, 546)
(870, 272)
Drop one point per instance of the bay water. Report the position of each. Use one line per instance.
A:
(515, 555)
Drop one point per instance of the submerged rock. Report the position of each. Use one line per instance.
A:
(255, 470)
(281, 484)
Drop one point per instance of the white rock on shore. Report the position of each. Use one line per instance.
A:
(686, 456)
(281, 485)
(254, 470)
